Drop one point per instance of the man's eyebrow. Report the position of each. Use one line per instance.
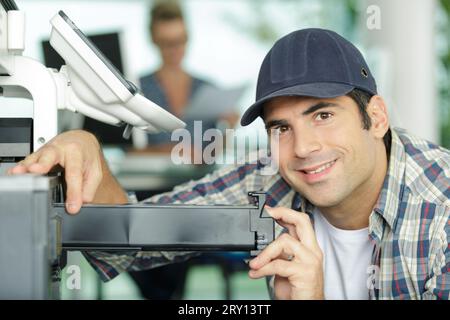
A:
(318, 106)
(312, 109)
(273, 123)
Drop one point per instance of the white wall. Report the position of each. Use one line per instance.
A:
(212, 49)
(405, 50)
(92, 17)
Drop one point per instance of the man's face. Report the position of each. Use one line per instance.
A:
(170, 37)
(324, 152)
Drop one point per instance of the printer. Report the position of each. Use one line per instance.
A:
(35, 230)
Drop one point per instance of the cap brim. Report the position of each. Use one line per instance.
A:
(316, 90)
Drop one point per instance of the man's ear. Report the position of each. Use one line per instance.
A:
(377, 111)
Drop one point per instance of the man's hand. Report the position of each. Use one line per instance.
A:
(294, 258)
(87, 176)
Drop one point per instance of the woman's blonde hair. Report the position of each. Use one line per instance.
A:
(164, 11)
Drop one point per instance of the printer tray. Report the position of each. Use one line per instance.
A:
(168, 227)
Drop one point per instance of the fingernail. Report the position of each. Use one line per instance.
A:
(71, 206)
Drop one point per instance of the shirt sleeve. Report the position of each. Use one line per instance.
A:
(438, 286)
(229, 185)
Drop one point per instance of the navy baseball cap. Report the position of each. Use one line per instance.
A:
(310, 62)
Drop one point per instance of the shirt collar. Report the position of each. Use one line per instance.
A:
(394, 183)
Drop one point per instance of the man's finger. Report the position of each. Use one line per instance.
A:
(290, 227)
(302, 222)
(74, 180)
(47, 159)
(30, 159)
(278, 267)
(284, 245)
(17, 169)
(22, 166)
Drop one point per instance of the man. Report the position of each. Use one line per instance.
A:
(364, 208)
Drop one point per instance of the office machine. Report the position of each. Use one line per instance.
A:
(88, 83)
(109, 43)
(35, 230)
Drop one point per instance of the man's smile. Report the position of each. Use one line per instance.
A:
(315, 173)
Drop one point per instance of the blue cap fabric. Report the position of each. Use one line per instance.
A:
(310, 62)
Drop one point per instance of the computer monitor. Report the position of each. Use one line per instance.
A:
(109, 45)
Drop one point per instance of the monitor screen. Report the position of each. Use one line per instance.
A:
(91, 45)
(109, 45)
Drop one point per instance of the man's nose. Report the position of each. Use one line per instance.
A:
(306, 142)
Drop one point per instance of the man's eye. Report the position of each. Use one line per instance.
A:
(321, 116)
(279, 130)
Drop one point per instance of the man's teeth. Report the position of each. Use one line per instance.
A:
(322, 168)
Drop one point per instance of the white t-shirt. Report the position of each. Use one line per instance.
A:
(347, 257)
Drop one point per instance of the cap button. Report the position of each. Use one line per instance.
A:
(364, 72)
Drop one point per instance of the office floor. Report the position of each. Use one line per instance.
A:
(203, 282)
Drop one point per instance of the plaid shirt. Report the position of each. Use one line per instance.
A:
(409, 226)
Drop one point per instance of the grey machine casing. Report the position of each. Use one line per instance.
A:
(35, 231)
